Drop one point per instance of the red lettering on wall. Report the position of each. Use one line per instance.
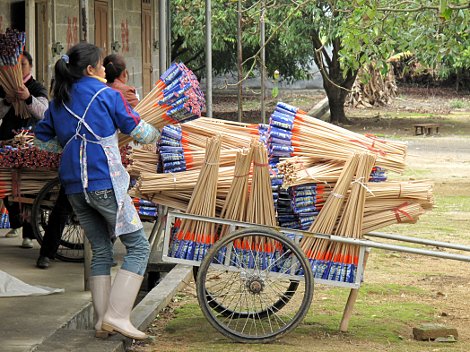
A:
(72, 31)
(125, 36)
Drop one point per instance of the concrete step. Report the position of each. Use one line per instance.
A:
(80, 341)
(77, 336)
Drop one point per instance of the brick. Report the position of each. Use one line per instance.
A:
(433, 331)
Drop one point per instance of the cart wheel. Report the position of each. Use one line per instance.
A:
(71, 243)
(252, 295)
(221, 309)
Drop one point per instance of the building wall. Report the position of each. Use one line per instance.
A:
(126, 30)
(4, 15)
(129, 35)
(63, 26)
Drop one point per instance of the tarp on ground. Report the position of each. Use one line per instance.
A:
(10, 286)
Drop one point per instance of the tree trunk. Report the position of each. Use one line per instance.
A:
(337, 86)
(336, 99)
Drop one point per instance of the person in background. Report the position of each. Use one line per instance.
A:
(117, 77)
(34, 94)
(55, 226)
(84, 118)
(53, 230)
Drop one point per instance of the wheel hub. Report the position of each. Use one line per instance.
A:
(255, 284)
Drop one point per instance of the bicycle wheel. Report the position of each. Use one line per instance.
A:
(71, 242)
(244, 277)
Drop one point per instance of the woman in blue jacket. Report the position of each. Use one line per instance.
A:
(84, 118)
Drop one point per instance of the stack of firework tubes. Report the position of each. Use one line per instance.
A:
(298, 206)
(176, 98)
(378, 174)
(4, 218)
(300, 184)
(146, 207)
(192, 239)
(12, 44)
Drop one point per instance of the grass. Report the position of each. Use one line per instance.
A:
(380, 316)
(457, 104)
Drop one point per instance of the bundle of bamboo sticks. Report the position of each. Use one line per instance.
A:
(292, 132)
(176, 98)
(405, 212)
(343, 258)
(193, 238)
(181, 147)
(260, 202)
(295, 173)
(24, 182)
(142, 158)
(12, 43)
(328, 216)
(326, 221)
(237, 198)
(419, 190)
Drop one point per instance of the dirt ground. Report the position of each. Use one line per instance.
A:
(395, 283)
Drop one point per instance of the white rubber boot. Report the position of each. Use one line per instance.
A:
(100, 287)
(121, 301)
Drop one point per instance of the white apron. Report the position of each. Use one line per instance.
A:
(127, 219)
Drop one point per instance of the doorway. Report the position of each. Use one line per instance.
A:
(40, 15)
(101, 25)
(146, 47)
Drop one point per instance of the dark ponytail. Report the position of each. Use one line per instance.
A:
(71, 67)
(114, 65)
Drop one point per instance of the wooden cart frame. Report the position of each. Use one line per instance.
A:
(219, 315)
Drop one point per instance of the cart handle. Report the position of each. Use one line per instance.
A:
(354, 241)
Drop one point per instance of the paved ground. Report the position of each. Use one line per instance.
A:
(26, 322)
(63, 322)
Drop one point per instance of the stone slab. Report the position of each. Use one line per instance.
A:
(427, 332)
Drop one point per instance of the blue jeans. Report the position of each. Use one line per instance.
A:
(98, 219)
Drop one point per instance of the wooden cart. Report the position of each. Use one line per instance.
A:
(250, 299)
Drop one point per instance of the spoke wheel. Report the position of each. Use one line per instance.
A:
(255, 285)
(71, 243)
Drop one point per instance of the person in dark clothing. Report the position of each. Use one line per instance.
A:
(54, 229)
(34, 94)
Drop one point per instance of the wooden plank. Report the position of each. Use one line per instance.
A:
(23, 200)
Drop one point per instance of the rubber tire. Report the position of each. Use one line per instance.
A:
(202, 292)
(219, 308)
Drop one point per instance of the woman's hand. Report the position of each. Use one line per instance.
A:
(10, 99)
(23, 93)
